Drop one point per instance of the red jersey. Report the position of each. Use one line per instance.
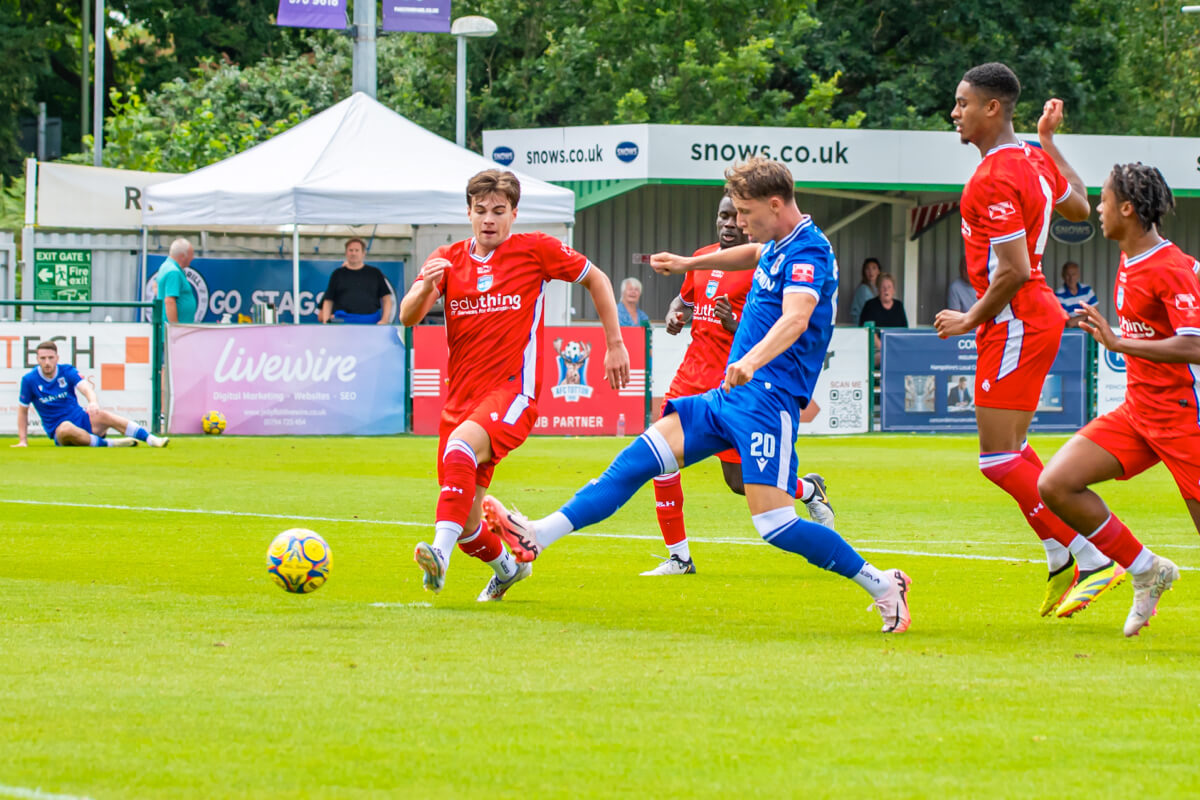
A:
(1157, 296)
(1012, 194)
(703, 365)
(494, 317)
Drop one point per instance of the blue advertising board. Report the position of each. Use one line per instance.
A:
(928, 383)
(232, 286)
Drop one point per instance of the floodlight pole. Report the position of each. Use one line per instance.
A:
(98, 89)
(464, 28)
(363, 77)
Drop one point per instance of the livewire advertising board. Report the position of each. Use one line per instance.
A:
(576, 399)
(284, 379)
(928, 383)
(228, 287)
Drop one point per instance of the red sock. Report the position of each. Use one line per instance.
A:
(458, 484)
(1030, 455)
(668, 504)
(1016, 475)
(482, 544)
(1116, 541)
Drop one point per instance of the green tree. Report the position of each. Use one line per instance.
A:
(1157, 80)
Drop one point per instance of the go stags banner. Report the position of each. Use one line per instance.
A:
(114, 357)
(575, 401)
(312, 14)
(283, 379)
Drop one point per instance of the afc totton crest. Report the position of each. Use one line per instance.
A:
(710, 290)
(572, 361)
(1120, 296)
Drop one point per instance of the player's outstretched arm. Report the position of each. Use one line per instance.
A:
(1009, 276)
(1076, 207)
(744, 256)
(424, 293)
(616, 359)
(1172, 350)
(797, 310)
(22, 426)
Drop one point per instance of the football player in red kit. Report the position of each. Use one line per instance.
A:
(1157, 298)
(1006, 210)
(494, 290)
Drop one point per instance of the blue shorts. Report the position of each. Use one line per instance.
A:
(760, 423)
(358, 319)
(79, 418)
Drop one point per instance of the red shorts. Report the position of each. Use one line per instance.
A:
(1013, 364)
(680, 387)
(1138, 447)
(507, 416)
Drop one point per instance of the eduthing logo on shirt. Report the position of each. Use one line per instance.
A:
(1002, 210)
(803, 273)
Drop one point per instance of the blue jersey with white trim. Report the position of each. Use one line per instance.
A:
(802, 261)
(54, 398)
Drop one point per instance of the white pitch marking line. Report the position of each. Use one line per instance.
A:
(864, 545)
(35, 794)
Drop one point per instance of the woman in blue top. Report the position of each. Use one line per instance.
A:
(628, 313)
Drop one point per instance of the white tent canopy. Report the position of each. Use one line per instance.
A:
(357, 162)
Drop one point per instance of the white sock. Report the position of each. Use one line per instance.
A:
(1143, 563)
(1086, 554)
(505, 566)
(873, 580)
(445, 537)
(552, 528)
(1057, 556)
(682, 550)
(805, 490)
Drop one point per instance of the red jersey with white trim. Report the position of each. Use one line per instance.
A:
(1012, 195)
(704, 363)
(1157, 296)
(494, 316)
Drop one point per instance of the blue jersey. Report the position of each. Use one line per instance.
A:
(54, 398)
(802, 261)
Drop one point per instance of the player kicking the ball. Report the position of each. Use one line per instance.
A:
(493, 286)
(1018, 322)
(51, 389)
(1158, 299)
(777, 354)
(712, 299)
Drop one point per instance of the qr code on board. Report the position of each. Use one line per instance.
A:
(846, 408)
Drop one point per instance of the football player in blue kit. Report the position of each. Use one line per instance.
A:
(50, 388)
(777, 354)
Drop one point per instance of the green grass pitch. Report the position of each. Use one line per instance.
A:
(145, 654)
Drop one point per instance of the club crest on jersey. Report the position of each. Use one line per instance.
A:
(710, 290)
(1120, 296)
(483, 283)
(572, 362)
(1002, 210)
(803, 273)
(777, 264)
(62, 383)
(1185, 302)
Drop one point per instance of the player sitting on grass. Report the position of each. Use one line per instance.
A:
(51, 388)
(1158, 302)
(776, 357)
(713, 301)
(494, 285)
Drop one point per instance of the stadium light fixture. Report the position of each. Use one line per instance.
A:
(1190, 9)
(464, 28)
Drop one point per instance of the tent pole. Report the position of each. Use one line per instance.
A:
(570, 286)
(295, 274)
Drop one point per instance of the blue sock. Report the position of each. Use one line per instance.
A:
(137, 432)
(98, 441)
(642, 459)
(820, 546)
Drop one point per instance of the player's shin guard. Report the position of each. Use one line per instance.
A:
(646, 456)
(1116, 541)
(458, 484)
(1017, 476)
(668, 505)
(821, 546)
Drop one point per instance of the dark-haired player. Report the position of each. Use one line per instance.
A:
(777, 354)
(51, 389)
(494, 289)
(1157, 298)
(712, 299)
(1006, 208)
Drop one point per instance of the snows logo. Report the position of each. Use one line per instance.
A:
(1002, 210)
(572, 362)
(803, 273)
